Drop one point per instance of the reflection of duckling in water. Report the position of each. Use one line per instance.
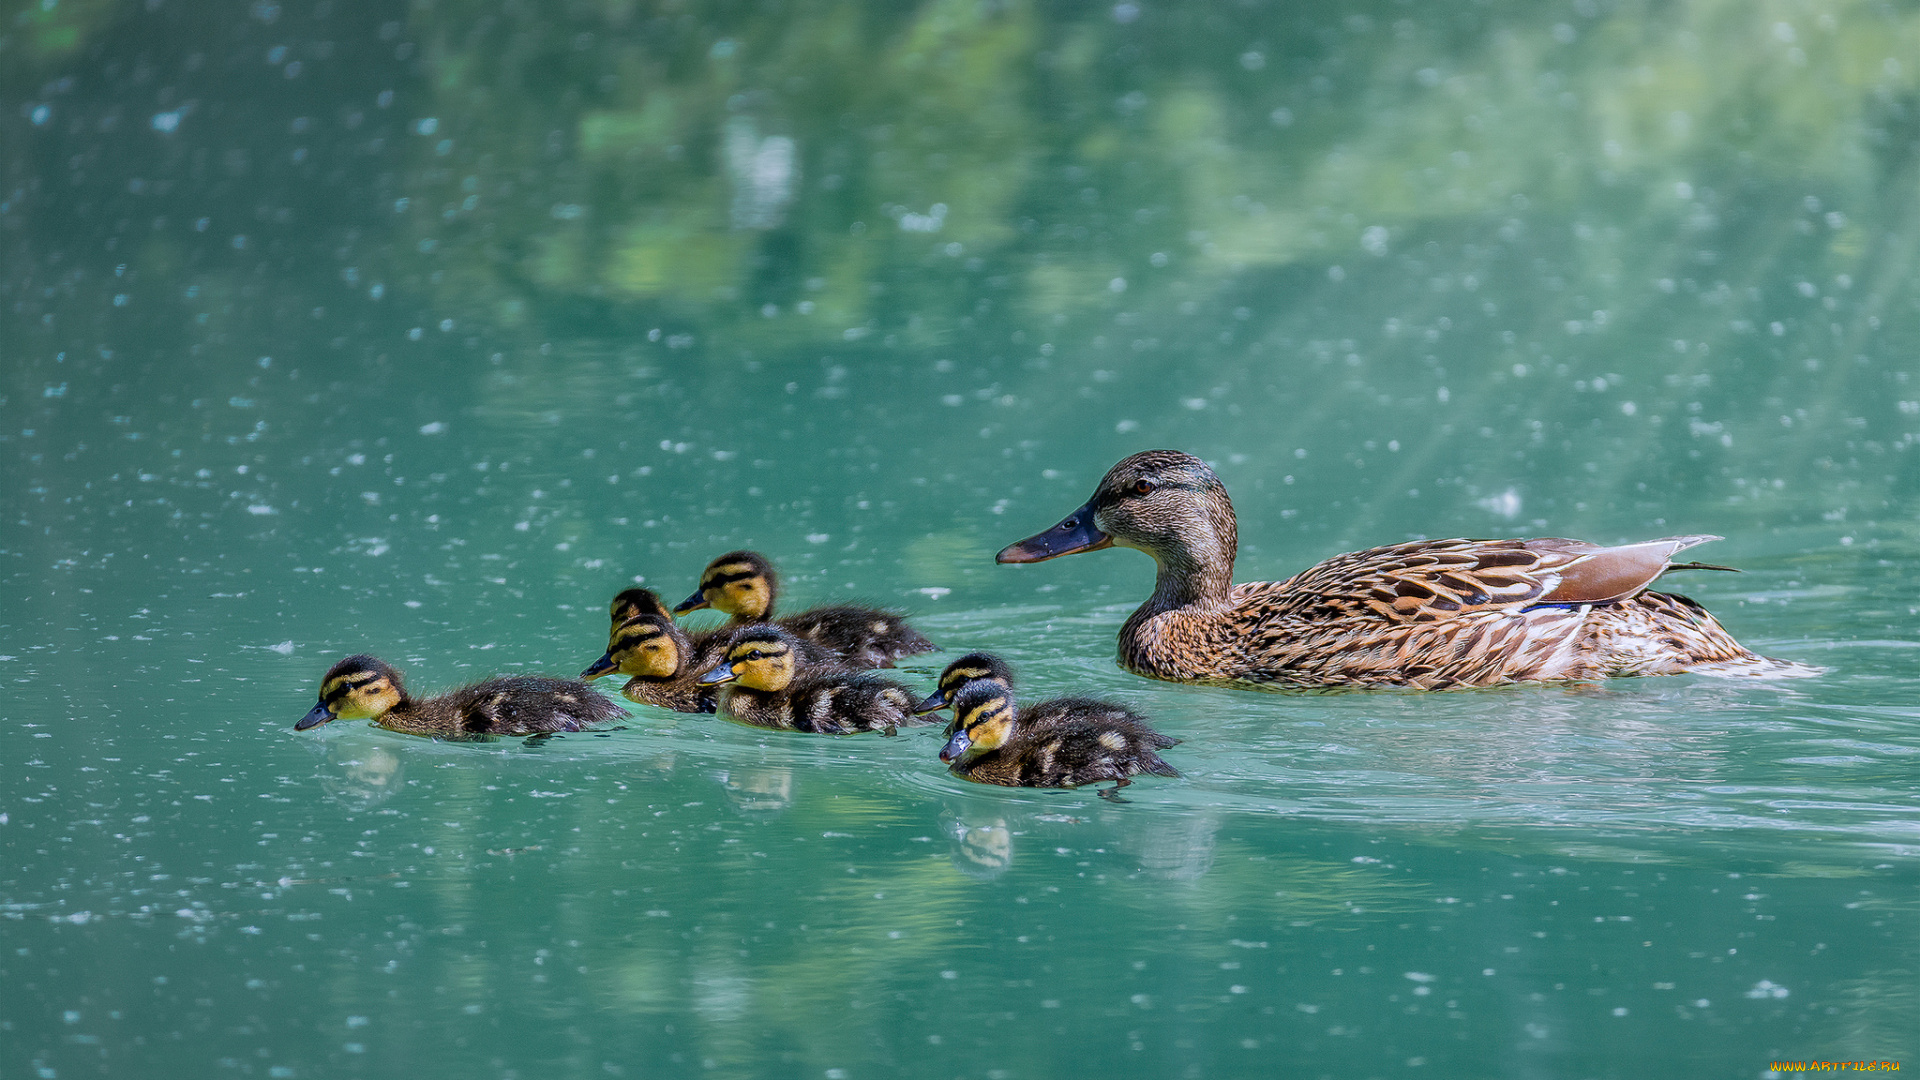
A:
(981, 851)
(365, 688)
(660, 664)
(1065, 742)
(758, 790)
(742, 584)
(764, 682)
(360, 776)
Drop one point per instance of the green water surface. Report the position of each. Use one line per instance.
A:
(420, 330)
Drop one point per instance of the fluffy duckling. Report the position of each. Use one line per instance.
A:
(764, 682)
(366, 688)
(1065, 742)
(743, 585)
(1427, 615)
(973, 667)
(660, 662)
(705, 647)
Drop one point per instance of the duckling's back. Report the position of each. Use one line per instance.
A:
(862, 637)
(828, 704)
(506, 705)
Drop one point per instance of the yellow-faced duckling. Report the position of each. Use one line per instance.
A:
(764, 682)
(703, 648)
(973, 667)
(1065, 742)
(1428, 615)
(743, 585)
(365, 688)
(660, 663)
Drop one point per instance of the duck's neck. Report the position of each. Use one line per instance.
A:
(1186, 582)
(1196, 569)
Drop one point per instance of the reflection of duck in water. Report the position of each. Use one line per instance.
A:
(764, 682)
(365, 688)
(758, 790)
(743, 585)
(1426, 615)
(981, 851)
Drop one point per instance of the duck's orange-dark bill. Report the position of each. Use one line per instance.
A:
(1075, 534)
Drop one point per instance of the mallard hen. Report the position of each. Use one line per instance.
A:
(1432, 614)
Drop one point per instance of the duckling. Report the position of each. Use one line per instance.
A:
(764, 682)
(661, 664)
(743, 585)
(973, 667)
(704, 647)
(366, 688)
(1065, 742)
(1428, 615)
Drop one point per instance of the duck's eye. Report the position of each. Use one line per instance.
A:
(1142, 487)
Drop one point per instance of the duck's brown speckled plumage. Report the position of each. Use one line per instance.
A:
(743, 584)
(767, 683)
(1429, 615)
(1065, 742)
(364, 687)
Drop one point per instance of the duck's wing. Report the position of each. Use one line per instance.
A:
(1432, 580)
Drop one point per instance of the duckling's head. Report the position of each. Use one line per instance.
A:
(643, 647)
(760, 658)
(357, 688)
(739, 583)
(982, 721)
(633, 602)
(973, 667)
(1163, 502)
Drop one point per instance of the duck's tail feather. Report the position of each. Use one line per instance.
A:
(1755, 666)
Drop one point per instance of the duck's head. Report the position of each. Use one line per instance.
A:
(973, 667)
(629, 603)
(1163, 502)
(357, 688)
(982, 721)
(739, 583)
(643, 647)
(760, 658)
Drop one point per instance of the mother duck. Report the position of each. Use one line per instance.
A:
(1428, 615)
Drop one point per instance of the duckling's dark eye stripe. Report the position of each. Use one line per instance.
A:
(987, 714)
(715, 580)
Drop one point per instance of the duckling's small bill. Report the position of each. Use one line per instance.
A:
(1075, 534)
(956, 747)
(600, 667)
(722, 674)
(319, 715)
